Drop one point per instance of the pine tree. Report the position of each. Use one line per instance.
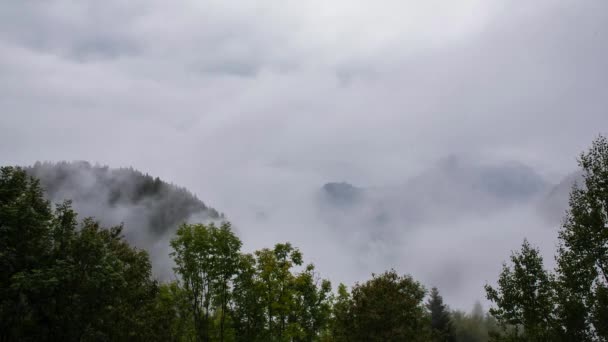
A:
(441, 324)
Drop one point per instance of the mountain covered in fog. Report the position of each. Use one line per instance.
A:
(145, 204)
(452, 189)
(375, 223)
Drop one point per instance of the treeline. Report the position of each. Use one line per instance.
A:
(64, 280)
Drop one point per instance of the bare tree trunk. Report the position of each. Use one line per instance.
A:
(223, 313)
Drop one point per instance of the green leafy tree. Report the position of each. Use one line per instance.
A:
(312, 305)
(172, 314)
(271, 302)
(67, 282)
(193, 254)
(111, 285)
(248, 310)
(441, 325)
(341, 323)
(388, 307)
(190, 252)
(583, 252)
(24, 245)
(525, 297)
(274, 269)
(226, 246)
(207, 259)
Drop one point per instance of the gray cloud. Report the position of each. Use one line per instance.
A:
(255, 106)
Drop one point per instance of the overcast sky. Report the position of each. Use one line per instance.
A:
(252, 104)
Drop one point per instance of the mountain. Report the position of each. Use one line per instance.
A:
(342, 194)
(150, 208)
(459, 186)
(145, 204)
(451, 189)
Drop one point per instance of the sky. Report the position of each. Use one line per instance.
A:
(255, 105)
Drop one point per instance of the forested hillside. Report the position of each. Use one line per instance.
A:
(127, 195)
(149, 209)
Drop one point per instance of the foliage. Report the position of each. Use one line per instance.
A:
(583, 252)
(249, 297)
(386, 308)
(525, 296)
(206, 257)
(569, 305)
(64, 282)
(441, 324)
(341, 324)
(174, 317)
(248, 314)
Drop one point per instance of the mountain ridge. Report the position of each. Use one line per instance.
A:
(121, 195)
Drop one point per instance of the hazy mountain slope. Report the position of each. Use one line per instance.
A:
(146, 202)
(450, 189)
(150, 208)
(378, 222)
(342, 194)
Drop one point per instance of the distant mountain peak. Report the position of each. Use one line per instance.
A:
(342, 192)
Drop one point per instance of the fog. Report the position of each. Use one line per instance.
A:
(254, 107)
(455, 239)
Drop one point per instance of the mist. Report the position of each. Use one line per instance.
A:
(148, 209)
(255, 107)
(455, 240)
(451, 226)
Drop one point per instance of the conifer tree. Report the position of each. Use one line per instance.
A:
(441, 324)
